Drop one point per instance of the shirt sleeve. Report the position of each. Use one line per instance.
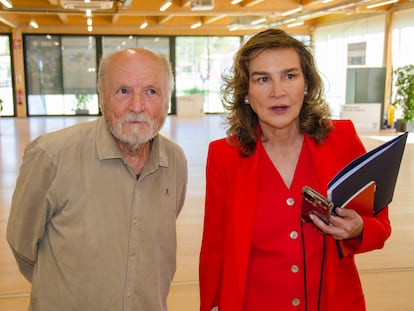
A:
(183, 183)
(29, 213)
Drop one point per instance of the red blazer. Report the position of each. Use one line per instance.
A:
(230, 202)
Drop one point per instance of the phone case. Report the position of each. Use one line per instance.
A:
(316, 204)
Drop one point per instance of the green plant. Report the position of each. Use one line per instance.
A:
(82, 100)
(404, 96)
(194, 91)
(1, 105)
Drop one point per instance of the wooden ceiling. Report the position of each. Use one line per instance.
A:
(217, 17)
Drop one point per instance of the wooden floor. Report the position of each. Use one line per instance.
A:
(387, 274)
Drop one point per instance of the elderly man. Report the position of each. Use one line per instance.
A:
(93, 215)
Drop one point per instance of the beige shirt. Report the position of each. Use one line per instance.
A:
(86, 232)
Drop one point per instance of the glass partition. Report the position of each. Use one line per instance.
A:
(199, 66)
(160, 45)
(79, 75)
(61, 75)
(6, 86)
(61, 70)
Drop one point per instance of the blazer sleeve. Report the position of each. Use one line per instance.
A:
(212, 247)
(376, 231)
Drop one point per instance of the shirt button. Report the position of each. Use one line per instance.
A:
(290, 201)
(296, 302)
(294, 268)
(294, 235)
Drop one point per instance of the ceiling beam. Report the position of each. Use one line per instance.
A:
(10, 20)
(63, 18)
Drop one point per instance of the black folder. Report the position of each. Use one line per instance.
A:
(367, 184)
(380, 166)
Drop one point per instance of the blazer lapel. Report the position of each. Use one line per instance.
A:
(247, 174)
(323, 160)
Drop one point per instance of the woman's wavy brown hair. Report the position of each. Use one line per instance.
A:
(314, 117)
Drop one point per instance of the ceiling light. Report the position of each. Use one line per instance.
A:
(295, 24)
(253, 2)
(326, 1)
(88, 12)
(258, 21)
(298, 9)
(90, 28)
(33, 24)
(236, 1)
(233, 27)
(375, 5)
(202, 5)
(89, 21)
(166, 5)
(195, 25)
(6, 3)
(144, 25)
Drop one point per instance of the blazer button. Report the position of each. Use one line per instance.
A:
(290, 201)
(294, 235)
(296, 302)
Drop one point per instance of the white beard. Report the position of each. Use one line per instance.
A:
(137, 134)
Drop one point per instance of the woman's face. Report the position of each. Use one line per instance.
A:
(276, 88)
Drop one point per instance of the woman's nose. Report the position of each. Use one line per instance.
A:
(277, 88)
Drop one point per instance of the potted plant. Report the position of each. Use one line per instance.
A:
(404, 97)
(191, 102)
(81, 103)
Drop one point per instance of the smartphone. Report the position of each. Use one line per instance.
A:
(316, 204)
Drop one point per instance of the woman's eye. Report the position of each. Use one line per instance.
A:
(263, 79)
(290, 76)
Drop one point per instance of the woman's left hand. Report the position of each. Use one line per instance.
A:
(347, 225)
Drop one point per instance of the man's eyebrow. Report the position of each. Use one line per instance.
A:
(152, 86)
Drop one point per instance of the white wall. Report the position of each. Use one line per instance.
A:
(402, 38)
(331, 44)
(331, 47)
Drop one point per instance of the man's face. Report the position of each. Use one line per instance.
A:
(135, 97)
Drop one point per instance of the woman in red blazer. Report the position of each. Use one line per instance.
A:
(256, 253)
